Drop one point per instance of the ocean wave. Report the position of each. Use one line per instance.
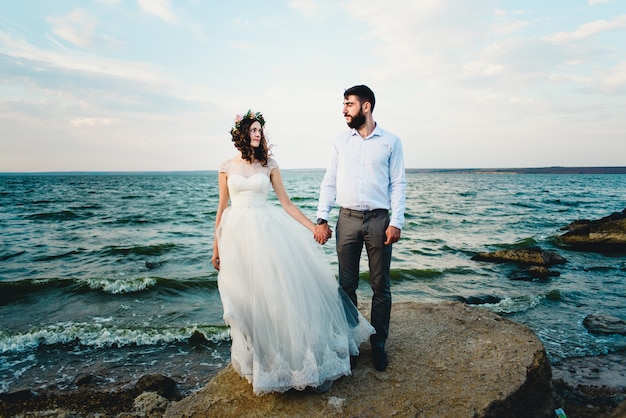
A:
(8, 256)
(11, 290)
(133, 220)
(522, 243)
(516, 304)
(119, 286)
(102, 334)
(427, 251)
(86, 206)
(412, 274)
(154, 250)
(562, 202)
(63, 215)
(525, 204)
(56, 256)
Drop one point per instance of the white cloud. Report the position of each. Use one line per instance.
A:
(589, 29)
(508, 21)
(592, 2)
(308, 8)
(19, 48)
(423, 39)
(159, 8)
(76, 27)
(570, 77)
(426, 24)
(483, 68)
(91, 122)
(614, 79)
(317, 9)
(79, 28)
(510, 27)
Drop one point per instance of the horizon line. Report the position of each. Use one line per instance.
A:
(482, 170)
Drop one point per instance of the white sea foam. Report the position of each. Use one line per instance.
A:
(102, 334)
(118, 286)
(515, 304)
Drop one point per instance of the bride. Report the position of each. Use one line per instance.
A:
(290, 324)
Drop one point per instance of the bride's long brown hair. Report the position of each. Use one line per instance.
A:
(241, 139)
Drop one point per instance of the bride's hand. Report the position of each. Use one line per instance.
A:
(215, 260)
(322, 233)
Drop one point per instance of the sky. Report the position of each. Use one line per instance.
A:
(155, 85)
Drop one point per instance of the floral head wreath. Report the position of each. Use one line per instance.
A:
(249, 115)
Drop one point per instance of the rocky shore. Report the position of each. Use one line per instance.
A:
(446, 360)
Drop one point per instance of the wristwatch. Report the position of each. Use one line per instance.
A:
(321, 221)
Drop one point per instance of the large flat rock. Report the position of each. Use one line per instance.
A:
(445, 360)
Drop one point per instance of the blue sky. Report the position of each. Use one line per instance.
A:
(101, 85)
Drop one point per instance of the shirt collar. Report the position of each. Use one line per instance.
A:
(376, 132)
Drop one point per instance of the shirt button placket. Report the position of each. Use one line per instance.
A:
(361, 174)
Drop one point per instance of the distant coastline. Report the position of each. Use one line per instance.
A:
(536, 170)
(521, 170)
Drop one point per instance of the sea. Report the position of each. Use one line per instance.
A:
(106, 277)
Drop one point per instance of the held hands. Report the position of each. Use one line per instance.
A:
(322, 233)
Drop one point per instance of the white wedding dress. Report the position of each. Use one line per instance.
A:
(289, 324)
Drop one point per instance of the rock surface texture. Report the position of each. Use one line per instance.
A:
(446, 360)
(604, 324)
(532, 256)
(603, 235)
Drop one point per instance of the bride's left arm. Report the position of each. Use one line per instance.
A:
(285, 201)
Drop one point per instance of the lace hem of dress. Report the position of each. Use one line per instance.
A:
(277, 375)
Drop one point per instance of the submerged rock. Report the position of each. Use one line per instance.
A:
(607, 234)
(446, 359)
(150, 265)
(17, 396)
(534, 273)
(604, 324)
(532, 256)
(479, 299)
(162, 385)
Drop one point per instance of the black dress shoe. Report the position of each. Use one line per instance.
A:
(379, 356)
(353, 361)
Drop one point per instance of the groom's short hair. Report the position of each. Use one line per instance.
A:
(364, 93)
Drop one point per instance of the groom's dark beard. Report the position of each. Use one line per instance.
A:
(357, 121)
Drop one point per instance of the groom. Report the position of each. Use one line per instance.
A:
(365, 176)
